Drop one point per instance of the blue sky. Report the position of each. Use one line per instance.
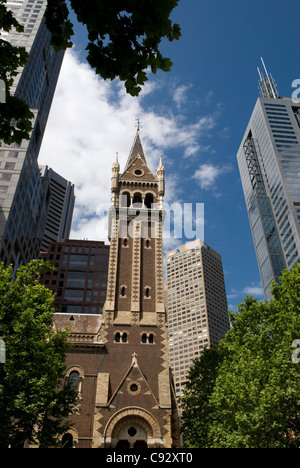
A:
(195, 117)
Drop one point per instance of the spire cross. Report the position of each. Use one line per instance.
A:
(138, 124)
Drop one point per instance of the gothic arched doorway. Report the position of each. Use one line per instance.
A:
(131, 435)
(136, 429)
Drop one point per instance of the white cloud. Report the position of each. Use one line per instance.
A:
(207, 175)
(256, 291)
(92, 119)
(180, 95)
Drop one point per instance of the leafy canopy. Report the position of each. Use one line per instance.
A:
(34, 404)
(124, 35)
(245, 394)
(15, 116)
(124, 38)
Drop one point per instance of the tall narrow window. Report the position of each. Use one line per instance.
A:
(138, 200)
(125, 200)
(149, 201)
(144, 338)
(123, 291)
(74, 380)
(151, 338)
(147, 293)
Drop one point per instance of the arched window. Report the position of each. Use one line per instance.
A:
(74, 379)
(125, 243)
(125, 200)
(151, 338)
(149, 201)
(67, 441)
(137, 200)
(147, 338)
(147, 244)
(144, 338)
(121, 337)
(123, 291)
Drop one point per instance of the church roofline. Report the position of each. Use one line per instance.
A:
(137, 149)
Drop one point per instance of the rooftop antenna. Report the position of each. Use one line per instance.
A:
(267, 84)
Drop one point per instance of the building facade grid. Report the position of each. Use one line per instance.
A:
(24, 196)
(269, 163)
(197, 305)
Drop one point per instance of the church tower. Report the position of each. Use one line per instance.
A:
(135, 404)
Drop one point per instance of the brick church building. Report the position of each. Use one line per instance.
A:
(120, 361)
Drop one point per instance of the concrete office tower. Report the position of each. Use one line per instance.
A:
(269, 163)
(60, 208)
(197, 305)
(23, 194)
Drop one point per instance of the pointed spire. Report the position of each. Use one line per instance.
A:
(116, 165)
(161, 166)
(160, 174)
(136, 150)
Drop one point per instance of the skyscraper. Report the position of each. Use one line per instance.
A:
(23, 194)
(269, 163)
(121, 363)
(80, 276)
(197, 305)
(60, 208)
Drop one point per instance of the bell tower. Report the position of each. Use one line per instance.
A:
(135, 400)
(135, 280)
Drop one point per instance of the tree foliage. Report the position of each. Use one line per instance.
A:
(34, 405)
(15, 116)
(124, 38)
(253, 400)
(124, 35)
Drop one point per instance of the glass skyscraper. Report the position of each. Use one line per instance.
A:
(24, 195)
(269, 163)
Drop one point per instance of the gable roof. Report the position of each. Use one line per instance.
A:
(134, 373)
